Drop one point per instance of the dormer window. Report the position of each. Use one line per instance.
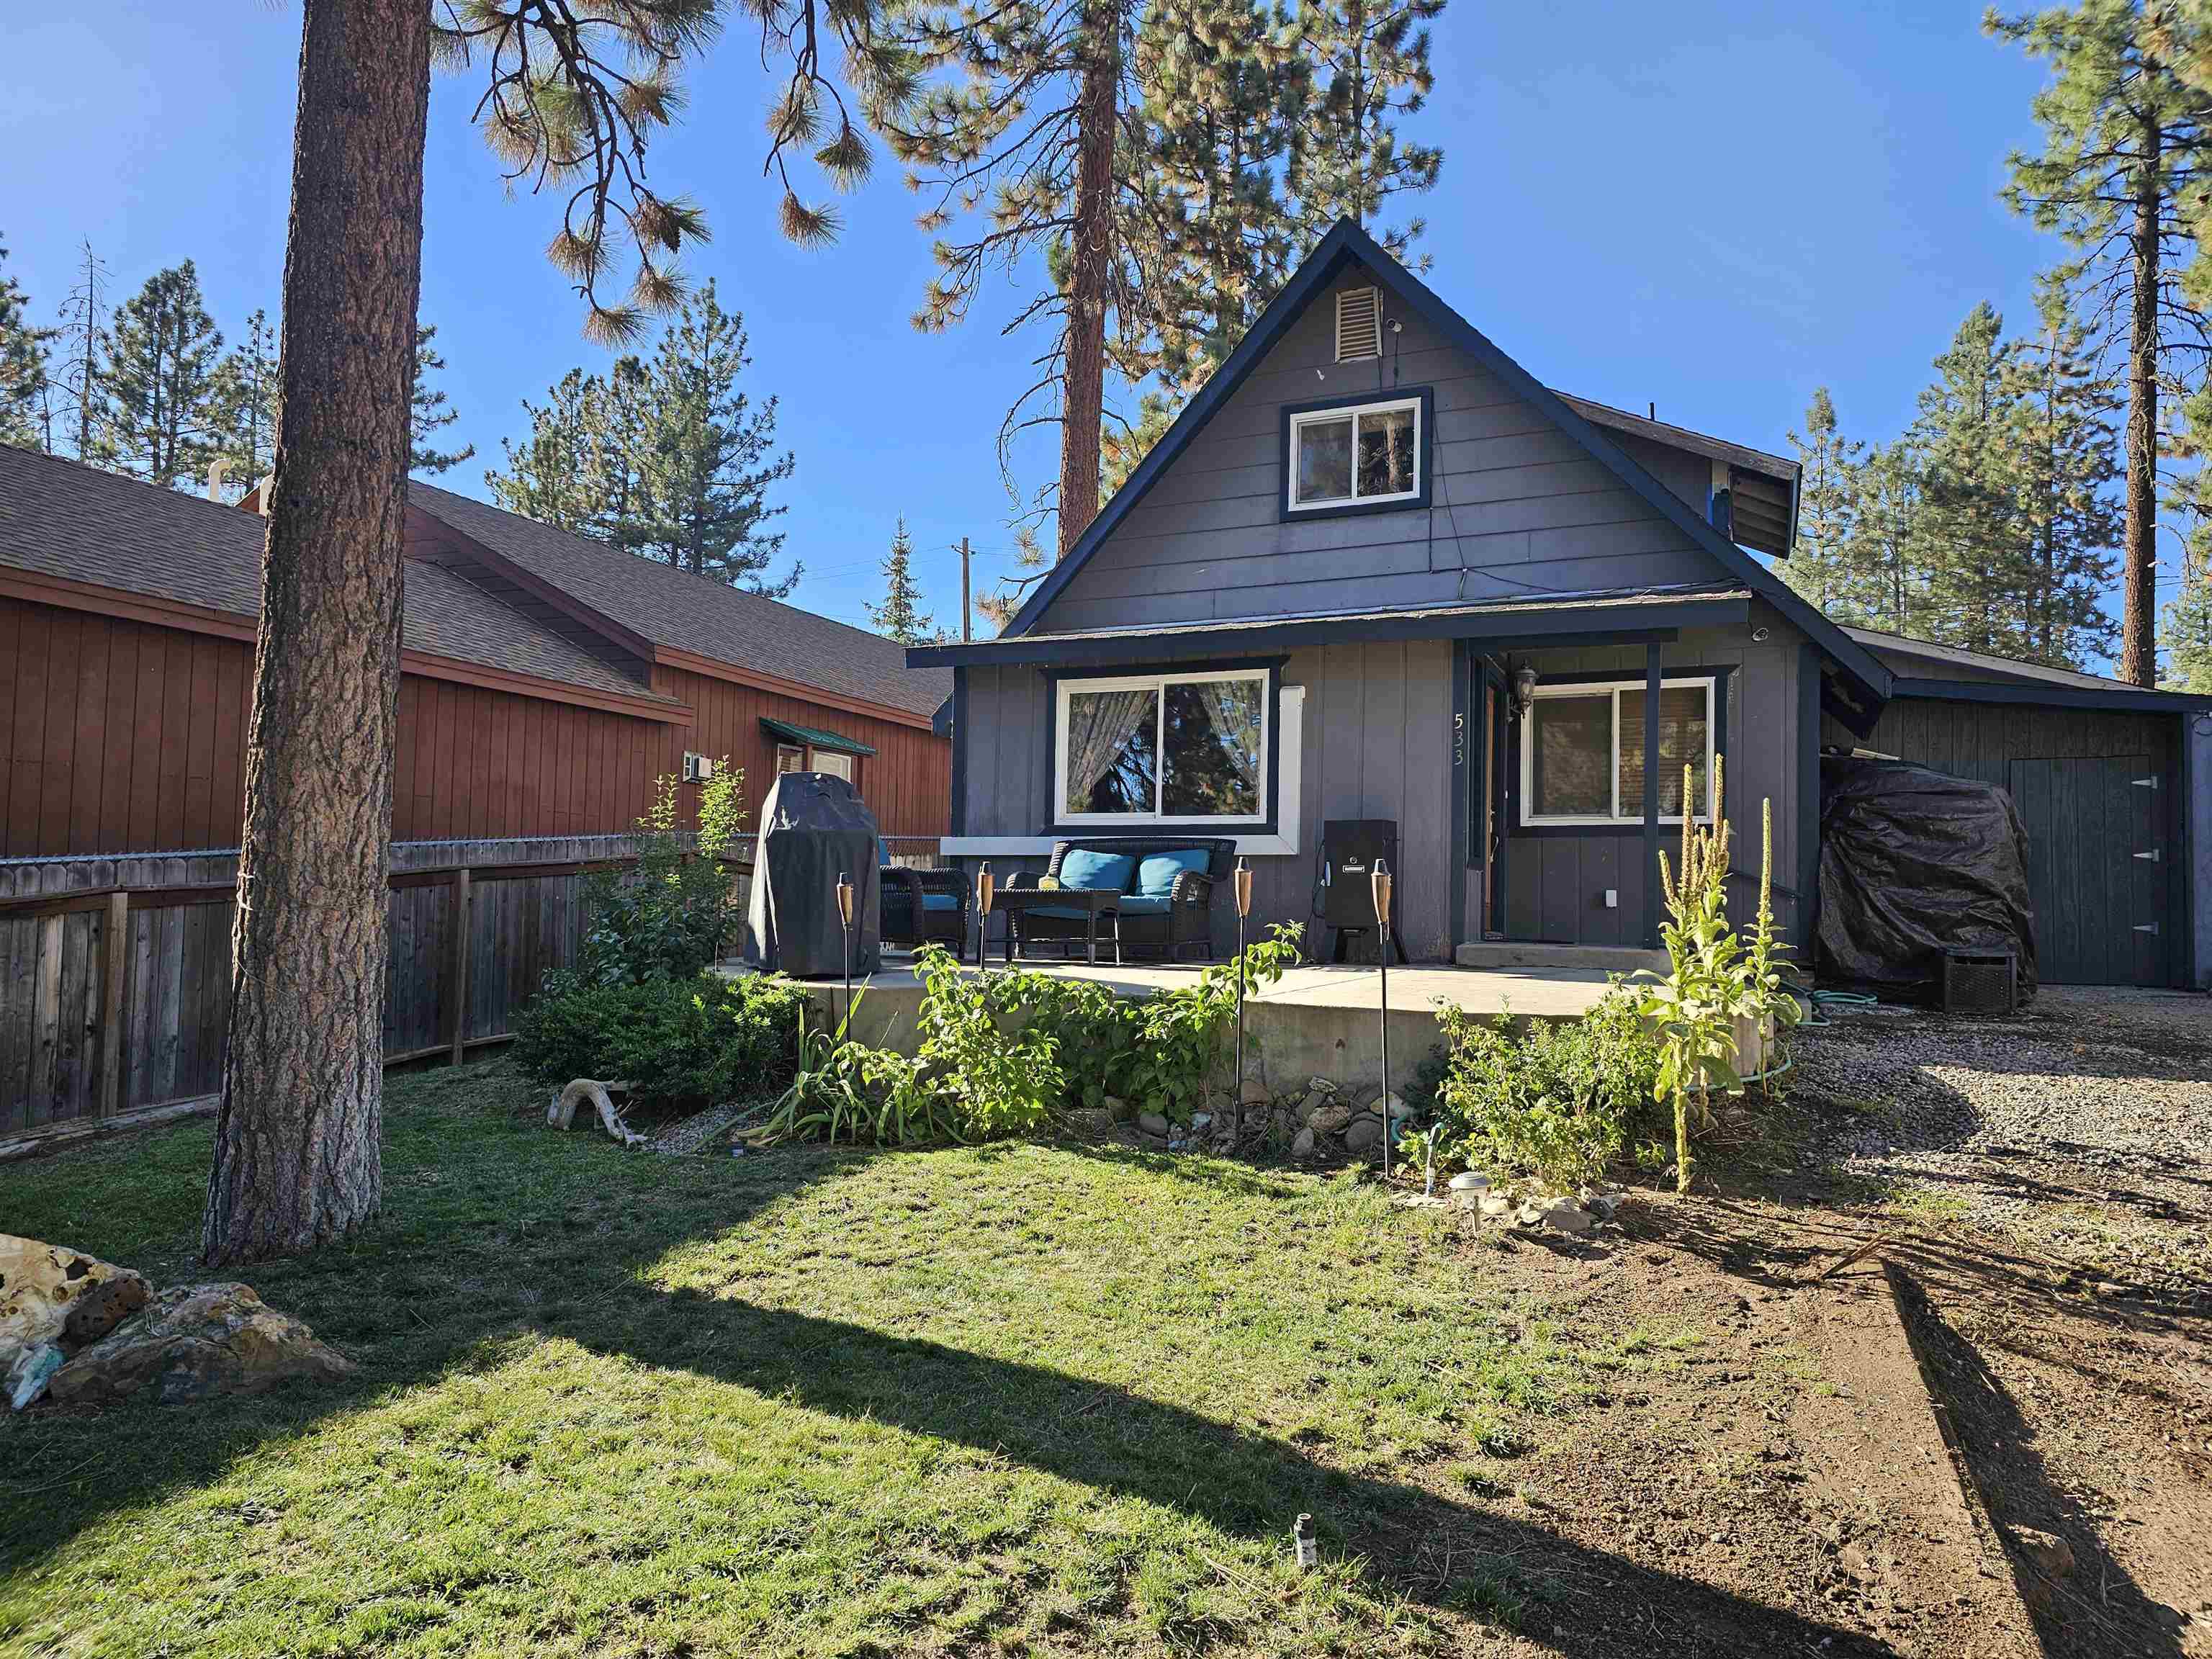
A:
(1355, 454)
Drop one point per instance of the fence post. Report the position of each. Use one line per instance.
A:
(114, 964)
(458, 979)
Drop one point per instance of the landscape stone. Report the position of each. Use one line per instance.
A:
(194, 1342)
(1121, 1110)
(1364, 1131)
(1330, 1120)
(1568, 1216)
(1302, 1146)
(2046, 1553)
(53, 1302)
(1399, 1111)
(1496, 1205)
(1531, 1213)
(1153, 1124)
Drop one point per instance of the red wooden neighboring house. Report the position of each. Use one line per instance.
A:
(546, 680)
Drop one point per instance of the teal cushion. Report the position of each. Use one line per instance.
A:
(1083, 868)
(1144, 904)
(882, 850)
(1156, 876)
(940, 902)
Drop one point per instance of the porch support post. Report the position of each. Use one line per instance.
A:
(1651, 681)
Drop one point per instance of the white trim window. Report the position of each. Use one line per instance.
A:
(1582, 752)
(1356, 455)
(1163, 749)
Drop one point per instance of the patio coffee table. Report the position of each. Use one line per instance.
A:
(1096, 901)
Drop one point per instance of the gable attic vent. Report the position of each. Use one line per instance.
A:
(1359, 324)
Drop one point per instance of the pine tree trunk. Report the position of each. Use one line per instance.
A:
(1085, 401)
(296, 1155)
(2138, 621)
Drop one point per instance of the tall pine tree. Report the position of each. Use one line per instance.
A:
(1969, 525)
(1820, 562)
(81, 405)
(1887, 580)
(429, 410)
(1371, 62)
(23, 408)
(2064, 404)
(245, 408)
(162, 350)
(2117, 177)
(900, 616)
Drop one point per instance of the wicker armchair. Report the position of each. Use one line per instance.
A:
(926, 906)
(1178, 922)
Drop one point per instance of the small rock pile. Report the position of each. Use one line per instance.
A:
(87, 1332)
(1318, 1119)
(1576, 1215)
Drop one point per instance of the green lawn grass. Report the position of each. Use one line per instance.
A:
(1030, 1398)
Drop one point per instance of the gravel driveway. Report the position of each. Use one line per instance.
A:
(2081, 1127)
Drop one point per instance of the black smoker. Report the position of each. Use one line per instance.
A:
(1344, 896)
(813, 830)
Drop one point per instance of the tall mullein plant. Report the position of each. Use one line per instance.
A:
(1768, 958)
(1706, 989)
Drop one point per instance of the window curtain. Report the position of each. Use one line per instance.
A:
(1233, 706)
(1098, 724)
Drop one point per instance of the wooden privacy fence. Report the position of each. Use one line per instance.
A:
(115, 973)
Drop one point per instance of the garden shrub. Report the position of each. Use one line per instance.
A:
(689, 1041)
(1184, 1035)
(1555, 1101)
(668, 916)
(1093, 1032)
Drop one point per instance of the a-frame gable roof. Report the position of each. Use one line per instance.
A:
(1347, 244)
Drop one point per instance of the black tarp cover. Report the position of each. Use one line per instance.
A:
(1914, 863)
(812, 829)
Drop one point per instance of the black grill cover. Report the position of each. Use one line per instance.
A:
(1914, 863)
(813, 827)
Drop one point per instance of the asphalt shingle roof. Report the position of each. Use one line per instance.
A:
(60, 518)
(684, 612)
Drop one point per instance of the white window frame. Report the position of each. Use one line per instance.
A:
(1529, 819)
(1157, 684)
(1353, 411)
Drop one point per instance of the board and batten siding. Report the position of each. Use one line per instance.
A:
(1517, 506)
(1375, 741)
(1556, 882)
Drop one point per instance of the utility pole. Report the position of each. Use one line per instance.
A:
(967, 604)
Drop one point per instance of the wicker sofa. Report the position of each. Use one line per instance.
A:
(1170, 916)
(925, 907)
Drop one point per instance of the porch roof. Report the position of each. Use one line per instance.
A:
(1619, 614)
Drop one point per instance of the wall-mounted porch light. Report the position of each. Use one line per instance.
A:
(1524, 690)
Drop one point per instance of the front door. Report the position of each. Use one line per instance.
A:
(2097, 862)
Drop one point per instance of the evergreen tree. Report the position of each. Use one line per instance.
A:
(1371, 61)
(161, 350)
(2064, 402)
(1885, 581)
(709, 457)
(429, 410)
(668, 459)
(83, 382)
(1974, 554)
(23, 407)
(245, 408)
(2117, 175)
(1820, 563)
(900, 616)
(2186, 625)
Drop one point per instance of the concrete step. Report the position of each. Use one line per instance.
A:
(1518, 953)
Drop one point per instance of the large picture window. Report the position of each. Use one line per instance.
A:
(1360, 455)
(1582, 752)
(1178, 748)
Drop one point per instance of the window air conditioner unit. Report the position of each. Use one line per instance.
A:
(697, 768)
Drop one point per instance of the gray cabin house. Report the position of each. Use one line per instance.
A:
(1378, 570)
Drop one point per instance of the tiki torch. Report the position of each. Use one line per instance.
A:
(1243, 909)
(1381, 881)
(987, 888)
(845, 922)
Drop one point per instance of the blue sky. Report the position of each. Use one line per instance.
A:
(1681, 204)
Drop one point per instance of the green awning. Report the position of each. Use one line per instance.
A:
(785, 732)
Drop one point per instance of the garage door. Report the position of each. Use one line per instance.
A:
(2097, 868)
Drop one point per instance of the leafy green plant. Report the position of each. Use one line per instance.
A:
(847, 1091)
(1183, 1035)
(1557, 1101)
(1093, 1032)
(999, 1083)
(668, 916)
(689, 1041)
(1710, 983)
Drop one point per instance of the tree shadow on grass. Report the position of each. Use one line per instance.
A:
(518, 1235)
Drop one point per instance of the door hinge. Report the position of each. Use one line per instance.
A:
(2152, 855)
(2146, 927)
(2150, 784)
